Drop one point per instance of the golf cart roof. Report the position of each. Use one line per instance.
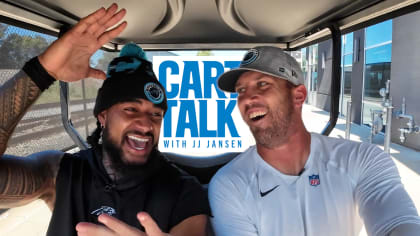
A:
(213, 24)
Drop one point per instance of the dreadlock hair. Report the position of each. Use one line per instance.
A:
(93, 139)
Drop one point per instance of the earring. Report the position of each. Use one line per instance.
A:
(100, 136)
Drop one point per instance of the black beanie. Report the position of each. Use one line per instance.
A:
(130, 76)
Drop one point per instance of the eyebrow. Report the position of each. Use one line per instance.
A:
(137, 101)
(140, 102)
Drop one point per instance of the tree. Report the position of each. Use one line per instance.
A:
(204, 53)
(103, 61)
(17, 49)
(3, 29)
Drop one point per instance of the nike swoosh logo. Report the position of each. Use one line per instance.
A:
(267, 192)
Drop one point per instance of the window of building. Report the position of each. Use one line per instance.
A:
(378, 50)
(346, 70)
(304, 63)
(313, 67)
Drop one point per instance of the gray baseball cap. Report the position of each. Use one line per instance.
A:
(265, 59)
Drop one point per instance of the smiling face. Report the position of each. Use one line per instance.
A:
(266, 106)
(131, 130)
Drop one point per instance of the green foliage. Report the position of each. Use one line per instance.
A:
(3, 29)
(19, 46)
(17, 49)
(105, 60)
(51, 95)
(204, 53)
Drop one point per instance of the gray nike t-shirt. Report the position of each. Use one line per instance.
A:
(344, 185)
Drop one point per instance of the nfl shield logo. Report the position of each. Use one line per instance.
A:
(314, 180)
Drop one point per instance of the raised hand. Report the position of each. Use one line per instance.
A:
(114, 227)
(67, 59)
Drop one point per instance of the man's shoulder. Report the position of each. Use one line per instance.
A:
(76, 162)
(241, 168)
(340, 152)
(173, 174)
(79, 154)
(333, 144)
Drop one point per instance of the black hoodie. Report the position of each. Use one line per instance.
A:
(84, 191)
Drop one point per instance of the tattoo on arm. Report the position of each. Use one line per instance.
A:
(16, 96)
(23, 179)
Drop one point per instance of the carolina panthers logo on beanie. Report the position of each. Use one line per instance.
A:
(126, 65)
(250, 57)
(153, 92)
(128, 61)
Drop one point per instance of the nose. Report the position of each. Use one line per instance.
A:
(143, 123)
(249, 95)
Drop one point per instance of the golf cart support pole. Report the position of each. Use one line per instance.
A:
(66, 119)
(335, 79)
(65, 109)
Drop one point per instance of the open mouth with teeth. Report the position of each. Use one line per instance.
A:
(255, 116)
(136, 142)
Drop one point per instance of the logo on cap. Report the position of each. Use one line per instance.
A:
(126, 65)
(250, 57)
(153, 92)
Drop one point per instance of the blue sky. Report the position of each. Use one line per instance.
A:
(379, 33)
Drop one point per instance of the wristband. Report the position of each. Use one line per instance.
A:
(38, 74)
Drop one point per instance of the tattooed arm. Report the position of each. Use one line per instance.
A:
(23, 179)
(16, 96)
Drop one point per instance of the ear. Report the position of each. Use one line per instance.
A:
(299, 95)
(102, 117)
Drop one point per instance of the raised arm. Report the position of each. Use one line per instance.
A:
(67, 59)
(23, 179)
(16, 96)
(384, 205)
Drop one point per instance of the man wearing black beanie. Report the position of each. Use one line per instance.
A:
(123, 174)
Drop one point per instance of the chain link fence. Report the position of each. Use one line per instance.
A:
(41, 128)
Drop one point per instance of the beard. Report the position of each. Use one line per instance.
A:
(116, 156)
(276, 133)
